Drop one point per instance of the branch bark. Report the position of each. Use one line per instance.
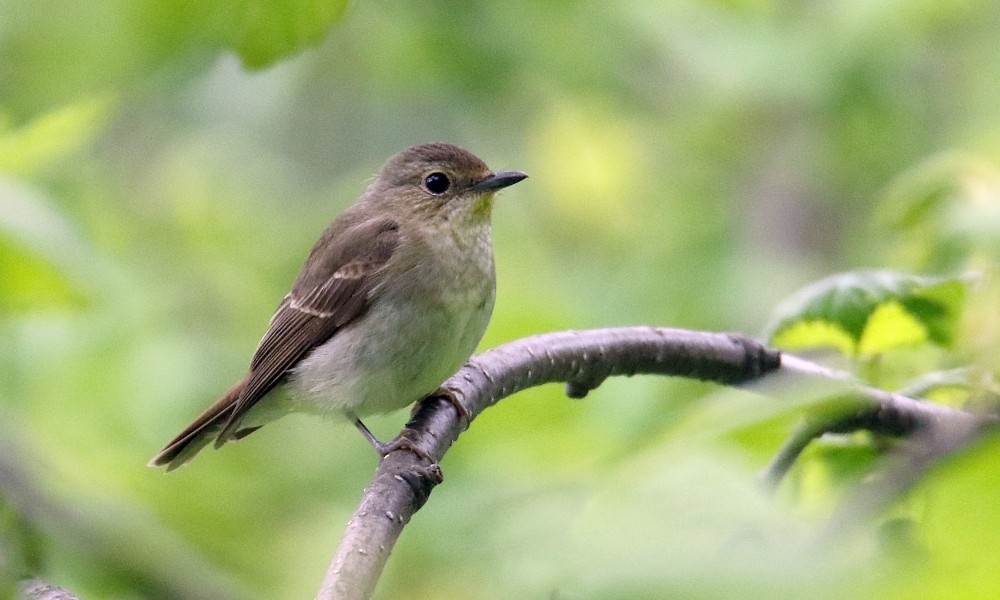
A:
(36, 589)
(582, 359)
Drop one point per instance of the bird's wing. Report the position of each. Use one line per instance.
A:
(323, 300)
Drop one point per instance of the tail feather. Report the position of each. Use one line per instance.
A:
(200, 432)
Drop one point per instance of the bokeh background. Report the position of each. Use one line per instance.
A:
(165, 168)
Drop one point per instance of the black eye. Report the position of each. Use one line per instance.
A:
(437, 183)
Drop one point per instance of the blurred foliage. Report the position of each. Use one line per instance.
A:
(164, 168)
(866, 313)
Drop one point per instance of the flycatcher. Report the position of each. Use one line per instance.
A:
(393, 299)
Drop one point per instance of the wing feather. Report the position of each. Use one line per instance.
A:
(320, 304)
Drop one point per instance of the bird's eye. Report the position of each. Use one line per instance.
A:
(437, 183)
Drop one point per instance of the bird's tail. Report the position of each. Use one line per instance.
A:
(199, 433)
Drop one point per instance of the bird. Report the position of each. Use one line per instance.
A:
(393, 298)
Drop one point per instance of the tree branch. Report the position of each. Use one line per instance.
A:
(36, 589)
(582, 359)
(878, 411)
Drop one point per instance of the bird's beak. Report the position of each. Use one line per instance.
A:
(497, 181)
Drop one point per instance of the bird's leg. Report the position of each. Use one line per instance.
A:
(368, 435)
(399, 443)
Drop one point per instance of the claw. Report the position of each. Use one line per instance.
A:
(403, 443)
(399, 443)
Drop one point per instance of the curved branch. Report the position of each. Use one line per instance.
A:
(880, 412)
(36, 589)
(582, 359)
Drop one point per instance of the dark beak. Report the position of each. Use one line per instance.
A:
(497, 181)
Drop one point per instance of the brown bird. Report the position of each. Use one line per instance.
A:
(394, 298)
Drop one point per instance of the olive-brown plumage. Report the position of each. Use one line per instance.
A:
(393, 298)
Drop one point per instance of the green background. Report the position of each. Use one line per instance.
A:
(165, 167)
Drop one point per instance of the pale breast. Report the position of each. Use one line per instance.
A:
(418, 332)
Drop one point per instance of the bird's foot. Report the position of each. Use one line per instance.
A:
(401, 442)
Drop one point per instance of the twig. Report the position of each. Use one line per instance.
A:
(872, 409)
(805, 432)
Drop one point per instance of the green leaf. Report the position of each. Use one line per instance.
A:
(919, 193)
(865, 313)
(51, 136)
(811, 333)
(942, 211)
(267, 31)
(890, 326)
(57, 53)
(30, 283)
(44, 259)
(831, 463)
(959, 529)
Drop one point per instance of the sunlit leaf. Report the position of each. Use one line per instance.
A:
(44, 260)
(877, 311)
(31, 147)
(815, 334)
(890, 326)
(31, 283)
